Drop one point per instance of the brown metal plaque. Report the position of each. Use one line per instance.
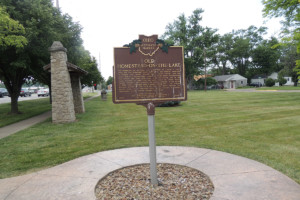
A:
(148, 74)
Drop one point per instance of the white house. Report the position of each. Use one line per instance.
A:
(261, 78)
(231, 81)
(288, 79)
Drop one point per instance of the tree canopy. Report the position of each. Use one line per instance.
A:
(290, 11)
(11, 31)
(244, 51)
(43, 24)
(282, 8)
(198, 42)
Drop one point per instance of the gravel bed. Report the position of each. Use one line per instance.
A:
(175, 182)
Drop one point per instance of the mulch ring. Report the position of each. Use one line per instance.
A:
(175, 182)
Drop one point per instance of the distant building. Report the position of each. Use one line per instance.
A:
(109, 87)
(262, 79)
(231, 81)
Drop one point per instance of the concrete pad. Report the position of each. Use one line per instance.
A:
(90, 166)
(179, 155)
(9, 185)
(218, 163)
(55, 187)
(267, 185)
(234, 177)
(133, 156)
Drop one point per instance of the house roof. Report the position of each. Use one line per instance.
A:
(260, 76)
(197, 77)
(231, 77)
(71, 67)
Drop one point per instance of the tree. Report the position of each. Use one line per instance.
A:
(290, 10)
(17, 64)
(177, 34)
(208, 43)
(196, 40)
(12, 40)
(193, 53)
(43, 24)
(225, 44)
(109, 80)
(240, 54)
(281, 8)
(89, 64)
(11, 31)
(244, 42)
(265, 57)
(68, 33)
(288, 60)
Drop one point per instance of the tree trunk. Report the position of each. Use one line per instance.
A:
(190, 83)
(14, 91)
(14, 108)
(224, 68)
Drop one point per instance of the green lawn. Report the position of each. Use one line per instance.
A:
(28, 109)
(259, 126)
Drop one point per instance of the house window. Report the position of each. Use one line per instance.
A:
(242, 82)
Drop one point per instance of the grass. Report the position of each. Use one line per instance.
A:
(259, 126)
(89, 94)
(28, 109)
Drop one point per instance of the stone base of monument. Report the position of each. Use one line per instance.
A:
(103, 95)
(175, 182)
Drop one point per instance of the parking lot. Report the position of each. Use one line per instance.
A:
(6, 99)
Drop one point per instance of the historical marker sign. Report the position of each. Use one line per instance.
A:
(148, 71)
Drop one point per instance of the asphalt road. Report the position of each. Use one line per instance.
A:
(6, 99)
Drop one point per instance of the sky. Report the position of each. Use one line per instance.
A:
(113, 23)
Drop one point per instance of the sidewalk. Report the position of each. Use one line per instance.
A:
(234, 177)
(13, 128)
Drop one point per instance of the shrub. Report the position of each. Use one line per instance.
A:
(169, 104)
(282, 81)
(270, 82)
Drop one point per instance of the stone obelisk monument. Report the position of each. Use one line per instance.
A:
(62, 95)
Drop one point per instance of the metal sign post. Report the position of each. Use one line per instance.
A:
(152, 143)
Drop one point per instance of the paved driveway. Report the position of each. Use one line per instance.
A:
(7, 99)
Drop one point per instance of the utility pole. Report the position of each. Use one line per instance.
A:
(99, 63)
(57, 4)
(204, 69)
